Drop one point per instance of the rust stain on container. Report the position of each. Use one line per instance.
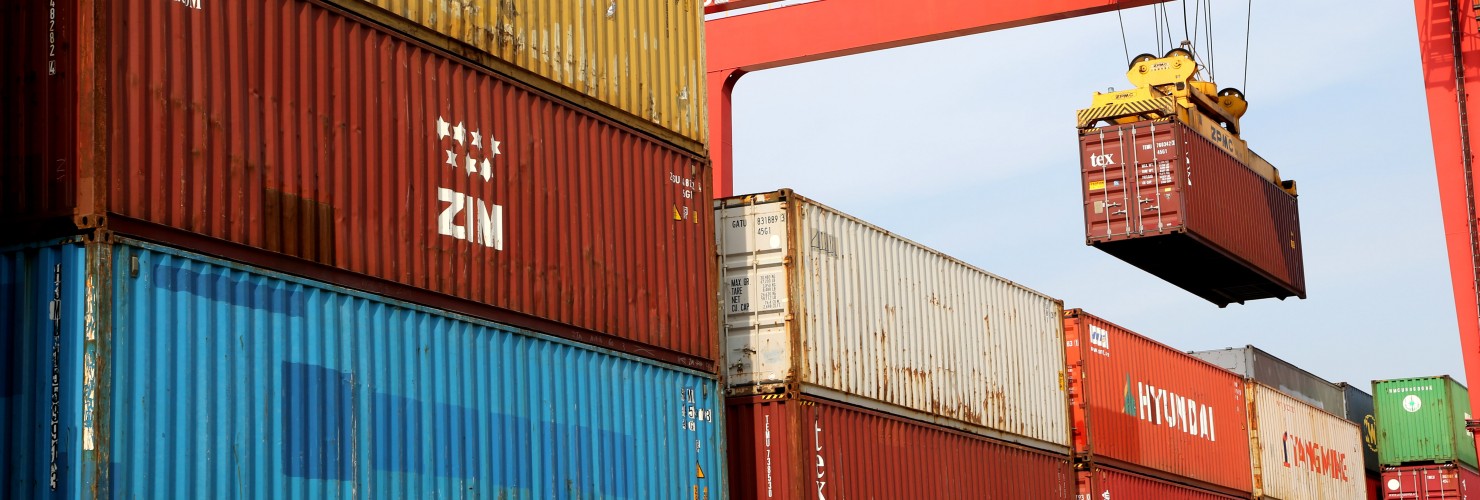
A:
(1163, 198)
(285, 133)
(1300, 451)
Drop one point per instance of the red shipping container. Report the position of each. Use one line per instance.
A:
(1374, 486)
(1165, 199)
(799, 447)
(1430, 482)
(290, 135)
(1141, 406)
(1104, 482)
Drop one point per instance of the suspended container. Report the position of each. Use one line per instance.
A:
(823, 303)
(1430, 482)
(1301, 452)
(290, 135)
(1098, 482)
(1255, 363)
(794, 447)
(1140, 406)
(141, 371)
(1422, 420)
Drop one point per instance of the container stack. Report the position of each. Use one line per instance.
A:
(1425, 451)
(860, 364)
(320, 249)
(1300, 451)
(1360, 411)
(1151, 421)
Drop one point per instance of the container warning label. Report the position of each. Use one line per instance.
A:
(1096, 185)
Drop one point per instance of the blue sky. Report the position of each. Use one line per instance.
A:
(968, 146)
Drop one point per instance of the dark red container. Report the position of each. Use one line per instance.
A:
(794, 448)
(288, 134)
(1165, 199)
(1097, 482)
(1430, 482)
(1374, 486)
(1140, 406)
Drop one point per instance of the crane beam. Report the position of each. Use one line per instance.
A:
(825, 29)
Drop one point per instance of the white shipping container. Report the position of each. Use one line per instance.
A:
(818, 301)
(1301, 452)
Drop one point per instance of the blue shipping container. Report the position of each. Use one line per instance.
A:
(172, 375)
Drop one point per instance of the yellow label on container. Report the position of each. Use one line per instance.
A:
(1096, 185)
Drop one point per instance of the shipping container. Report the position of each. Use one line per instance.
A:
(1359, 410)
(1430, 482)
(791, 447)
(1096, 482)
(1301, 452)
(290, 135)
(1253, 362)
(1230, 236)
(141, 371)
(821, 302)
(644, 58)
(1141, 406)
(1374, 486)
(1422, 420)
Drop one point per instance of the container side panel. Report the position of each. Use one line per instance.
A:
(889, 320)
(1105, 482)
(646, 58)
(1420, 420)
(1150, 406)
(40, 377)
(1359, 410)
(753, 243)
(763, 447)
(286, 126)
(1277, 373)
(848, 452)
(1300, 451)
(1430, 482)
(37, 165)
(230, 382)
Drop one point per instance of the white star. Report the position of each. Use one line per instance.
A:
(487, 169)
(457, 133)
(477, 139)
(493, 145)
(452, 158)
(441, 128)
(472, 166)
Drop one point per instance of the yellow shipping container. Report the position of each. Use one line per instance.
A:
(643, 57)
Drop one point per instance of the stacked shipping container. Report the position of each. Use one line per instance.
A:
(1300, 451)
(1360, 411)
(1263, 367)
(1425, 450)
(834, 327)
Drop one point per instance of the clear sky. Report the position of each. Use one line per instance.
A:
(968, 146)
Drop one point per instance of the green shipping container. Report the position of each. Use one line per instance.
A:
(1422, 420)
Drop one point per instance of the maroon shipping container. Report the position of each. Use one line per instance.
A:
(1141, 406)
(291, 135)
(1097, 482)
(1430, 482)
(1374, 486)
(1165, 199)
(789, 447)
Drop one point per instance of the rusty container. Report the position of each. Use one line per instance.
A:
(291, 135)
(1165, 199)
(1265, 368)
(1448, 481)
(792, 447)
(819, 301)
(1098, 482)
(1138, 405)
(645, 60)
(1300, 451)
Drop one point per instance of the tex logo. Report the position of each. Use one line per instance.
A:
(1103, 160)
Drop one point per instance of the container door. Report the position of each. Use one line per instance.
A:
(753, 248)
(1130, 180)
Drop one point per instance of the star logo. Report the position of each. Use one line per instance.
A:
(493, 145)
(442, 128)
(458, 133)
(477, 140)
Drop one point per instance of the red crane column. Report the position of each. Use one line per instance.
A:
(831, 28)
(1450, 51)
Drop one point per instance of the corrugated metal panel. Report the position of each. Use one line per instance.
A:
(1265, 368)
(1430, 482)
(848, 310)
(1360, 411)
(1300, 451)
(812, 448)
(1108, 483)
(646, 58)
(1422, 420)
(1140, 207)
(1147, 407)
(228, 381)
(40, 321)
(285, 126)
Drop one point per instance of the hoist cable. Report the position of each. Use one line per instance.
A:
(1248, 22)
(1123, 43)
